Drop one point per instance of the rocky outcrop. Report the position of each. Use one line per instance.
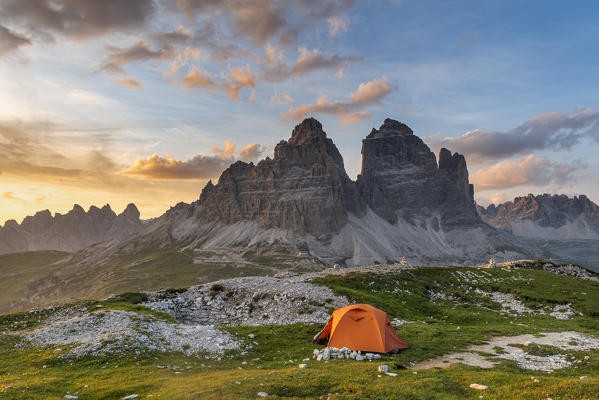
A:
(400, 179)
(546, 216)
(72, 231)
(304, 188)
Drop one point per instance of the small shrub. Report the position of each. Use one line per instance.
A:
(216, 289)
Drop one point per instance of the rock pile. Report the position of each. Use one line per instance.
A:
(571, 270)
(249, 301)
(332, 352)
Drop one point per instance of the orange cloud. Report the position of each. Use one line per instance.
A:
(529, 170)
(370, 93)
(348, 119)
(251, 152)
(227, 151)
(198, 78)
(130, 83)
(240, 78)
(167, 168)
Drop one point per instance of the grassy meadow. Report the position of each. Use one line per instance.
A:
(268, 362)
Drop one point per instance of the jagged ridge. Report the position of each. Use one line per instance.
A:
(546, 216)
(72, 231)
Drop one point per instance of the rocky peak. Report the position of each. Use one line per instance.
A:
(309, 130)
(308, 146)
(11, 224)
(452, 163)
(101, 213)
(390, 127)
(131, 212)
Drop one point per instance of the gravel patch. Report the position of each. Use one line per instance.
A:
(514, 307)
(125, 331)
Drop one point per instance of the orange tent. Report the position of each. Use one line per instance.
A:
(361, 327)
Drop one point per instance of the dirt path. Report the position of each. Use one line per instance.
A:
(500, 348)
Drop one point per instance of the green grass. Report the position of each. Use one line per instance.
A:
(267, 367)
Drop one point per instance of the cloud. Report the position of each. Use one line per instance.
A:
(231, 83)
(307, 62)
(263, 21)
(156, 167)
(352, 118)
(129, 82)
(251, 152)
(78, 19)
(179, 36)
(281, 99)
(227, 151)
(10, 196)
(529, 170)
(10, 41)
(196, 77)
(23, 154)
(337, 25)
(547, 131)
(139, 51)
(370, 93)
(196, 168)
(240, 77)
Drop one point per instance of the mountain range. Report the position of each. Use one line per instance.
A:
(72, 231)
(403, 204)
(546, 217)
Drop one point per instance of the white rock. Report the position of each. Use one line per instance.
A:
(131, 396)
(359, 357)
(302, 366)
(390, 374)
(262, 394)
(383, 368)
(68, 396)
(477, 386)
(583, 377)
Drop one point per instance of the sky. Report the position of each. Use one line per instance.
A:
(144, 101)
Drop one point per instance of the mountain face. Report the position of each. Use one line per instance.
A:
(72, 231)
(546, 217)
(304, 188)
(400, 179)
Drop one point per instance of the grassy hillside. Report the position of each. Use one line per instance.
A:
(447, 309)
(43, 278)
